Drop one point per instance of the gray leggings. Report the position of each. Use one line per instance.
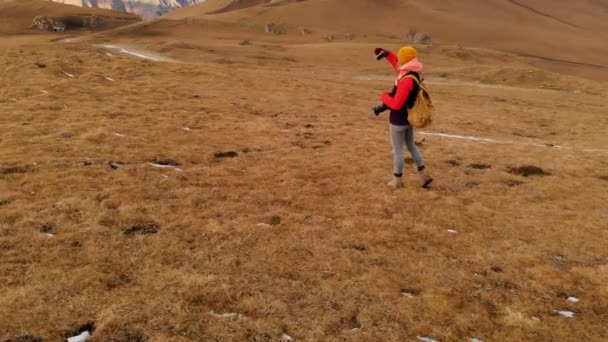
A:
(404, 135)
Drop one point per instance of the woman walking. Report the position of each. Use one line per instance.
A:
(399, 100)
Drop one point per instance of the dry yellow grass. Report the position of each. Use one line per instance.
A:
(297, 233)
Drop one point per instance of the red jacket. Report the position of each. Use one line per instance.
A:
(402, 96)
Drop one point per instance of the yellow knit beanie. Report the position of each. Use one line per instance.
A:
(406, 54)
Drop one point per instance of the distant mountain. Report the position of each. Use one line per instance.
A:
(144, 8)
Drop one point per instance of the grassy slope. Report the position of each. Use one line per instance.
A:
(311, 153)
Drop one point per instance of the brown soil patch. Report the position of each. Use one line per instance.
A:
(46, 228)
(528, 170)
(26, 338)
(146, 228)
(13, 170)
(513, 182)
(478, 166)
(224, 155)
(165, 162)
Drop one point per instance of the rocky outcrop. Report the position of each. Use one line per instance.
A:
(60, 24)
(47, 24)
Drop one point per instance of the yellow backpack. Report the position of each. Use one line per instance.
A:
(421, 114)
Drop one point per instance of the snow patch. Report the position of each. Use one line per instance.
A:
(507, 142)
(160, 166)
(567, 314)
(230, 315)
(573, 300)
(131, 52)
(80, 338)
(286, 338)
(425, 339)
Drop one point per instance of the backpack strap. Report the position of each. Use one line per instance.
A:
(412, 76)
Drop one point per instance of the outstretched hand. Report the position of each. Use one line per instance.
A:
(380, 53)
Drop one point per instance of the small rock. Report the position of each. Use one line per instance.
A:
(534, 318)
(452, 231)
(407, 295)
(263, 225)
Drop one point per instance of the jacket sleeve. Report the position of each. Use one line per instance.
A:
(392, 58)
(404, 88)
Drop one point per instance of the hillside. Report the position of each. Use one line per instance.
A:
(569, 31)
(16, 15)
(194, 178)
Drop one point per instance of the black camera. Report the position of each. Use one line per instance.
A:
(380, 108)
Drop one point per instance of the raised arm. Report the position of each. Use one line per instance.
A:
(390, 57)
